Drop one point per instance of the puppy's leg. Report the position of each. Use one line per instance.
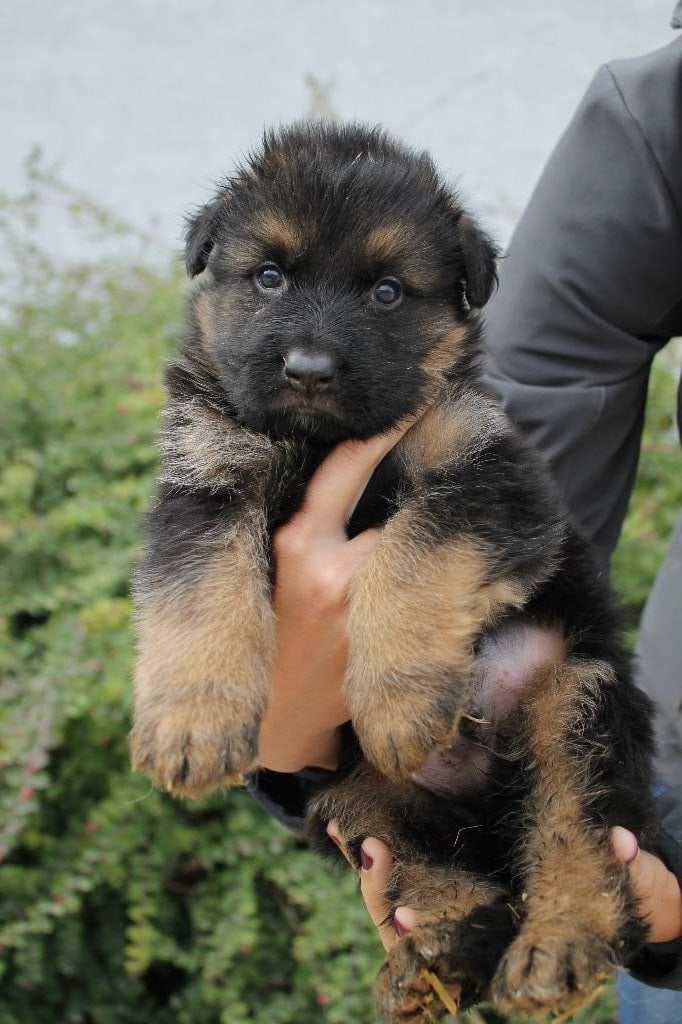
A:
(479, 531)
(203, 665)
(417, 606)
(580, 915)
(465, 920)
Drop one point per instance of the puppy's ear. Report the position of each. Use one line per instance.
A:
(200, 235)
(480, 262)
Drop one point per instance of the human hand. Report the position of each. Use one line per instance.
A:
(657, 890)
(376, 861)
(315, 562)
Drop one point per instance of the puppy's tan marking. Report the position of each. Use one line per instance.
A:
(416, 274)
(388, 242)
(444, 354)
(271, 235)
(205, 448)
(279, 232)
(203, 669)
(577, 902)
(398, 250)
(416, 609)
(208, 315)
(204, 315)
(443, 894)
(449, 430)
(244, 254)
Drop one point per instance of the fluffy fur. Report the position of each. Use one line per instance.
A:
(499, 733)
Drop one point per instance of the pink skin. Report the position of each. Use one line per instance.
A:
(505, 662)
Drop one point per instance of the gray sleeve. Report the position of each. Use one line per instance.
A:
(592, 286)
(286, 796)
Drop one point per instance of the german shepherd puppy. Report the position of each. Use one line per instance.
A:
(499, 733)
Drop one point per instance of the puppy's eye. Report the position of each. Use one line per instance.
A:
(269, 277)
(387, 292)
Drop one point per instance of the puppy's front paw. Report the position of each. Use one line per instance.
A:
(553, 972)
(190, 748)
(401, 725)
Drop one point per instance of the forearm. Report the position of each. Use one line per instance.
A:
(588, 291)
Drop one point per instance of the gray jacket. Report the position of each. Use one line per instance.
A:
(590, 290)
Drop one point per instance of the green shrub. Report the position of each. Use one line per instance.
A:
(118, 904)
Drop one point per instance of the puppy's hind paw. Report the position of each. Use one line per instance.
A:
(552, 973)
(408, 989)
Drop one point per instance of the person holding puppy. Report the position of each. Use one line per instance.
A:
(591, 289)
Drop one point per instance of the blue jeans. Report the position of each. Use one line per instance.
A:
(640, 1004)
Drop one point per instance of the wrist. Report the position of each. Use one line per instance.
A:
(280, 752)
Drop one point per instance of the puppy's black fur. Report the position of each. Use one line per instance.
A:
(499, 733)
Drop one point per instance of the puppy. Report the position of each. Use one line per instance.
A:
(499, 733)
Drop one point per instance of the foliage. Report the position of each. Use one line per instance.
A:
(118, 904)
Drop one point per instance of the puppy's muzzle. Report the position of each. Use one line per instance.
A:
(309, 372)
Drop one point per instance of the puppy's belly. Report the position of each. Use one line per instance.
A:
(506, 661)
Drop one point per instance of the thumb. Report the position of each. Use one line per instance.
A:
(656, 889)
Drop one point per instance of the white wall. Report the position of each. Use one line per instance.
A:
(142, 104)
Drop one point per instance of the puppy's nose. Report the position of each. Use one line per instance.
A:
(309, 371)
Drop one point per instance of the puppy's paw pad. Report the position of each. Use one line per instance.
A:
(550, 973)
(191, 754)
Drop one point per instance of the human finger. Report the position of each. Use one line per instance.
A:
(338, 483)
(376, 862)
(334, 833)
(657, 890)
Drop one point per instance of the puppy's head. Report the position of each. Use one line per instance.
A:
(340, 278)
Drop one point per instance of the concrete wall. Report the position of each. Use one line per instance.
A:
(142, 104)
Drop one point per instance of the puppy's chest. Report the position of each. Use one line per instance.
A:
(381, 498)
(285, 491)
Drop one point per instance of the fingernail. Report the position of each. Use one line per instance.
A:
(333, 834)
(635, 850)
(399, 928)
(625, 844)
(365, 859)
